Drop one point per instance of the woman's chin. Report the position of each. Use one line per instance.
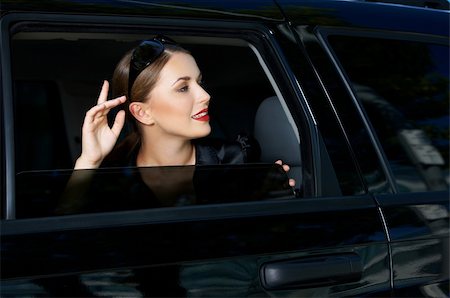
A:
(205, 131)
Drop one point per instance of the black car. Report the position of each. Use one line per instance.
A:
(353, 95)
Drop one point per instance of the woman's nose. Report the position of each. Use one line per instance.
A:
(203, 96)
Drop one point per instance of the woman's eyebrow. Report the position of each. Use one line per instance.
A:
(186, 78)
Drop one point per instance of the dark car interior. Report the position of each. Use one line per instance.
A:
(57, 82)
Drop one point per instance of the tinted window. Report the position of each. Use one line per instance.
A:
(404, 89)
(48, 193)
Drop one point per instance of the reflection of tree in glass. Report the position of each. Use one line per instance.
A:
(410, 77)
(391, 65)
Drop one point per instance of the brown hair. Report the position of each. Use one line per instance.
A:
(146, 80)
(140, 91)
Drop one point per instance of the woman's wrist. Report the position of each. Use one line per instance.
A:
(84, 164)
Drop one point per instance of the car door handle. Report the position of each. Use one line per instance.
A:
(310, 272)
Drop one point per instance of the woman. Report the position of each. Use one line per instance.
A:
(166, 103)
(161, 86)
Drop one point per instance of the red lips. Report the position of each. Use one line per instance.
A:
(202, 115)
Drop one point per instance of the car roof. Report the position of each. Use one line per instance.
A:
(212, 9)
(359, 14)
(410, 16)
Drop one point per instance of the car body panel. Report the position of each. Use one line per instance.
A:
(232, 10)
(366, 15)
(279, 233)
(419, 232)
(213, 241)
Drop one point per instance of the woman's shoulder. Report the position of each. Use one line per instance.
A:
(219, 151)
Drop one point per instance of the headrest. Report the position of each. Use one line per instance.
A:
(275, 134)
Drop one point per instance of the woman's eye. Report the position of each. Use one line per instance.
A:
(183, 89)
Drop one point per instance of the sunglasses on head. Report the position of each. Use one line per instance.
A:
(145, 54)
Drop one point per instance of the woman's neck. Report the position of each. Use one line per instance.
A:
(166, 152)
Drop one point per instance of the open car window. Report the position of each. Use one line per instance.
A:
(57, 76)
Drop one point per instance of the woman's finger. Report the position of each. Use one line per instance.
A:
(93, 113)
(103, 93)
(109, 104)
(291, 182)
(106, 106)
(286, 168)
(118, 123)
(103, 109)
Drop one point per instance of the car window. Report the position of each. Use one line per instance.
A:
(57, 76)
(49, 193)
(403, 87)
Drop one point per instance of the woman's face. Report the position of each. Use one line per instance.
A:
(178, 103)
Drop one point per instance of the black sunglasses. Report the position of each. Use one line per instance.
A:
(145, 54)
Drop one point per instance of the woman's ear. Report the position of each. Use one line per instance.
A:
(141, 111)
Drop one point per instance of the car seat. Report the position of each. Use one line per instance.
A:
(277, 137)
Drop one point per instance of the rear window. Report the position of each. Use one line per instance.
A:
(404, 89)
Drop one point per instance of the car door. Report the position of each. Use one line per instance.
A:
(411, 129)
(396, 75)
(327, 238)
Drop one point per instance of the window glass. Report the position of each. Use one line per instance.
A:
(57, 77)
(63, 192)
(404, 89)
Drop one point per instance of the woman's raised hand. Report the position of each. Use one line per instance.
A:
(98, 139)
